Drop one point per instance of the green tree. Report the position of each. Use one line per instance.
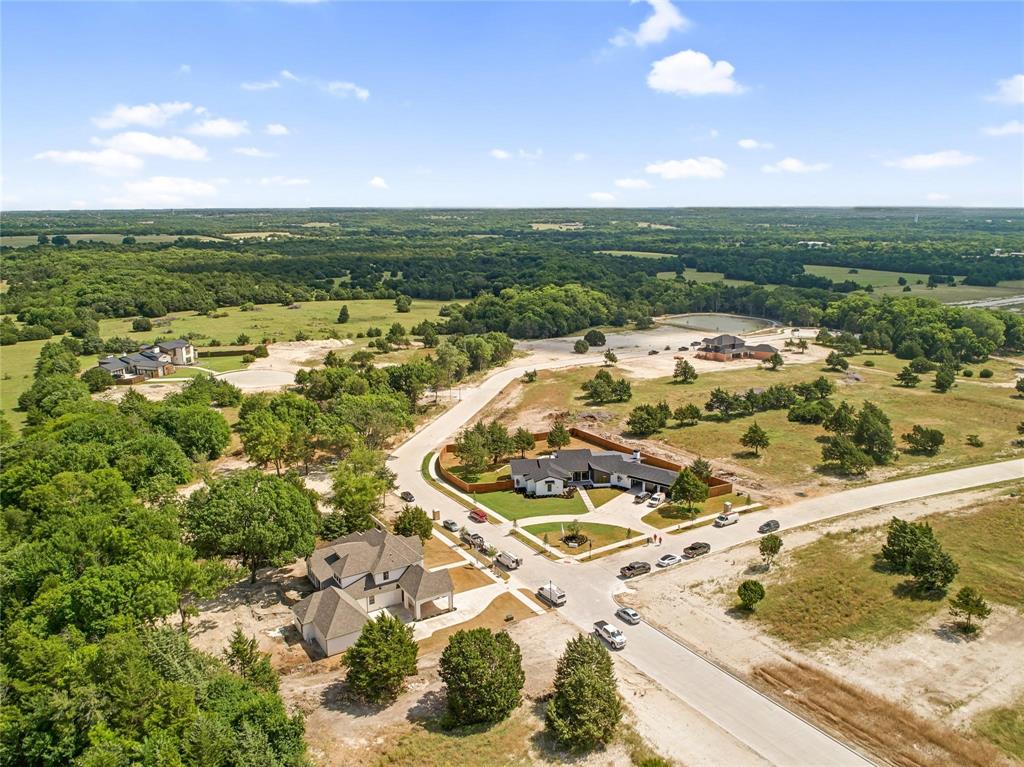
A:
(483, 675)
(202, 433)
(381, 659)
(359, 484)
(643, 420)
(769, 547)
(841, 452)
(836, 361)
(932, 567)
(558, 436)
(902, 539)
(968, 604)
(684, 372)
(265, 438)
(922, 439)
(1019, 386)
(260, 519)
(908, 378)
(523, 441)
(342, 315)
(688, 488)
(192, 580)
(581, 346)
(775, 361)
(594, 338)
(412, 520)
(702, 468)
(687, 415)
(755, 437)
(243, 656)
(610, 357)
(873, 433)
(585, 710)
(403, 304)
(750, 593)
(97, 379)
(843, 419)
(944, 379)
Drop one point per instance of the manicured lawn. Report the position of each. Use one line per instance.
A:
(1004, 727)
(516, 506)
(492, 474)
(599, 496)
(599, 535)
(667, 515)
(832, 588)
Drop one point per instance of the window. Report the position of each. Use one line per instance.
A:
(387, 574)
(372, 600)
(550, 486)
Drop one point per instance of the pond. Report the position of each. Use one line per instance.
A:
(719, 323)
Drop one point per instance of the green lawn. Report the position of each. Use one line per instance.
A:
(16, 365)
(599, 535)
(833, 589)
(794, 455)
(599, 496)
(24, 240)
(668, 514)
(873, 277)
(1004, 727)
(493, 473)
(517, 506)
(638, 253)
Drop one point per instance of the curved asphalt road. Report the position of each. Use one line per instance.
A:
(772, 731)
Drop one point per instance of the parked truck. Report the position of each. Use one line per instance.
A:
(611, 634)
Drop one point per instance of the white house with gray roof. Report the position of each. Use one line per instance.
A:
(357, 576)
(609, 468)
(151, 361)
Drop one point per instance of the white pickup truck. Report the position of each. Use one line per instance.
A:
(609, 633)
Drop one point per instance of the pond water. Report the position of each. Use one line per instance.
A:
(719, 323)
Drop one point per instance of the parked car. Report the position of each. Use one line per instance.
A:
(641, 497)
(406, 496)
(551, 594)
(727, 518)
(769, 527)
(508, 560)
(450, 525)
(696, 549)
(610, 634)
(656, 500)
(478, 515)
(634, 568)
(472, 539)
(628, 615)
(667, 560)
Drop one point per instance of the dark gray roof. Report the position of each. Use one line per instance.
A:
(113, 364)
(725, 341)
(763, 348)
(330, 612)
(538, 468)
(572, 460)
(651, 473)
(177, 344)
(147, 360)
(565, 462)
(421, 584)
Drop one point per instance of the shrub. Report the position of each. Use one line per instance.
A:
(585, 710)
(97, 379)
(750, 593)
(968, 374)
(142, 324)
(381, 659)
(483, 676)
(985, 373)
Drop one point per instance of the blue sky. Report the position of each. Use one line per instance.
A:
(511, 104)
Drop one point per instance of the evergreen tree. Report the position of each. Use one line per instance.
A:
(684, 372)
(559, 436)
(483, 675)
(381, 659)
(908, 378)
(342, 315)
(755, 437)
(967, 604)
(585, 710)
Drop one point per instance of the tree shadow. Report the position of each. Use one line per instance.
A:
(741, 454)
(911, 589)
(756, 568)
(739, 613)
(337, 697)
(952, 633)
(428, 708)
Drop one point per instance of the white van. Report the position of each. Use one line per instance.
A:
(508, 561)
(727, 518)
(551, 594)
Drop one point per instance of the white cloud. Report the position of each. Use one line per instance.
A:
(580, 156)
(139, 142)
(276, 129)
(106, 161)
(936, 196)
(665, 18)
(150, 115)
(252, 151)
(163, 190)
(1010, 90)
(793, 165)
(500, 154)
(531, 156)
(378, 183)
(632, 183)
(263, 85)
(602, 197)
(692, 73)
(283, 181)
(753, 143)
(285, 74)
(345, 89)
(1012, 128)
(694, 167)
(185, 69)
(219, 127)
(947, 158)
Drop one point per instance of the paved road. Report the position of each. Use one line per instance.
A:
(767, 728)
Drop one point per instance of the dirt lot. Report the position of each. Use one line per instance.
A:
(928, 670)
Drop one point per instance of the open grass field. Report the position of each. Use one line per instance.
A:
(835, 589)
(1004, 370)
(874, 277)
(598, 535)
(16, 367)
(24, 240)
(990, 412)
(638, 253)
(1004, 727)
(517, 506)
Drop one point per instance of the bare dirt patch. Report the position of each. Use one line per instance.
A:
(468, 578)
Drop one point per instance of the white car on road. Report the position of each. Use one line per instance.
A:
(667, 560)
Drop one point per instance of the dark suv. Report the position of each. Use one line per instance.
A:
(696, 550)
(634, 569)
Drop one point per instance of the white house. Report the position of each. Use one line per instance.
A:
(180, 351)
(151, 361)
(357, 576)
(550, 476)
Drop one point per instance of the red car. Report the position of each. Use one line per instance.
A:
(478, 515)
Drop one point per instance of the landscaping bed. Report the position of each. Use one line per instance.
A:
(598, 535)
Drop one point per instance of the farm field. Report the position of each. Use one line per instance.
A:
(991, 412)
(835, 588)
(873, 277)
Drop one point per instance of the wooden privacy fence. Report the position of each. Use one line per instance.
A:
(716, 486)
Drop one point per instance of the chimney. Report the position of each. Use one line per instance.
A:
(636, 456)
